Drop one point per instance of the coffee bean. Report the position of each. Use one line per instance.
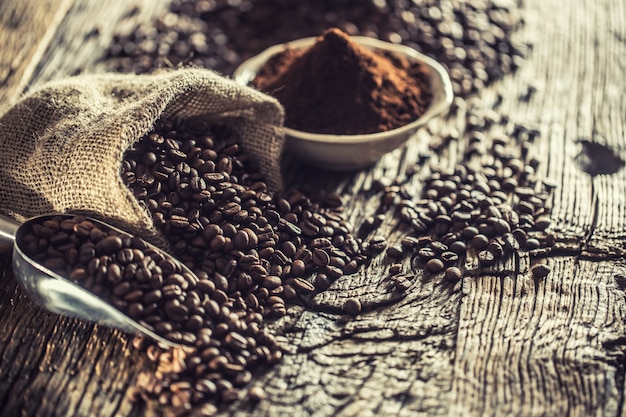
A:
(303, 285)
(114, 273)
(352, 306)
(540, 271)
(426, 254)
(469, 232)
(236, 341)
(458, 247)
(110, 244)
(272, 282)
(434, 265)
(510, 243)
(175, 310)
(496, 249)
(542, 223)
(320, 257)
(532, 244)
(395, 251)
(449, 257)
(256, 394)
(453, 274)
(486, 258)
(321, 282)
(480, 241)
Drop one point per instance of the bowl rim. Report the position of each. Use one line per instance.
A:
(245, 72)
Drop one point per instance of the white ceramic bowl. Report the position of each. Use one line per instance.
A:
(352, 152)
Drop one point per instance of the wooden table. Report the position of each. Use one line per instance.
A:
(490, 345)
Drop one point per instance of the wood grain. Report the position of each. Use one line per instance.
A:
(495, 344)
(27, 28)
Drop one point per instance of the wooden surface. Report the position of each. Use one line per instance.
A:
(489, 345)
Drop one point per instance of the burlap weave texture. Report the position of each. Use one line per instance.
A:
(62, 144)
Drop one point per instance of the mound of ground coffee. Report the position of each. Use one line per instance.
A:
(338, 86)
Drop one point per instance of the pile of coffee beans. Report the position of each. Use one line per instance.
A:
(210, 202)
(226, 343)
(251, 250)
(474, 39)
(474, 217)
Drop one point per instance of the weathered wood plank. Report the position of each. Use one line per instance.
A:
(577, 67)
(505, 345)
(26, 30)
(82, 369)
(537, 348)
(70, 365)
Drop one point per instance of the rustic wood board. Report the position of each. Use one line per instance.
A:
(27, 29)
(490, 345)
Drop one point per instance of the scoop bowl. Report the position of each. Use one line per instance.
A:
(353, 152)
(57, 294)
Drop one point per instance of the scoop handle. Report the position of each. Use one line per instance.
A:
(8, 229)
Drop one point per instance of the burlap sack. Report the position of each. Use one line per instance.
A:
(61, 146)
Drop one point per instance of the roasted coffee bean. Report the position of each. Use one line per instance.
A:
(438, 247)
(236, 341)
(542, 223)
(459, 247)
(395, 269)
(303, 285)
(322, 282)
(449, 257)
(434, 265)
(510, 243)
(480, 241)
(486, 257)
(320, 257)
(453, 274)
(395, 251)
(426, 254)
(333, 272)
(256, 394)
(540, 271)
(351, 267)
(469, 232)
(377, 244)
(409, 242)
(532, 244)
(352, 306)
(496, 249)
(401, 282)
(109, 245)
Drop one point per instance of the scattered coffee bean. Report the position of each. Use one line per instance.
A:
(453, 274)
(473, 41)
(434, 265)
(352, 306)
(401, 282)
(540, 270)
(256, 394)
(486, 258)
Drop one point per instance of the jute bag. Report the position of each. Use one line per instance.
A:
(61, 145)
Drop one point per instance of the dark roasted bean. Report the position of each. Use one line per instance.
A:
(540, 271)
(352, 306)
(486, 257)
(434, 265)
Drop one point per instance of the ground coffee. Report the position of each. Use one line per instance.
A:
(338, 86)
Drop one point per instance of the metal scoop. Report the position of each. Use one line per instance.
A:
(56, 293)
